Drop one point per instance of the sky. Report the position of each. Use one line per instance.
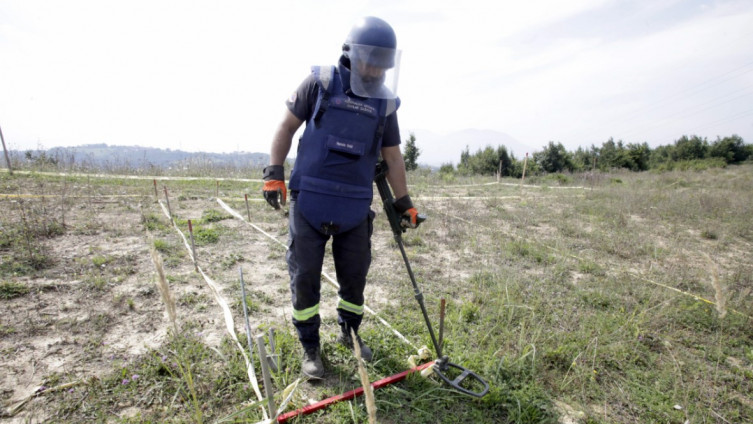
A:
(213, 75)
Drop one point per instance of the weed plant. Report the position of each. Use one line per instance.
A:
(22, 239)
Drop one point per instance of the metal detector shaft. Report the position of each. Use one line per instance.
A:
(442, 364)
(397, 230)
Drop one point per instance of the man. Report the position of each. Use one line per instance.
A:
(350, 115)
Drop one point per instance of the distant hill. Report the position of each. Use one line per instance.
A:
(145, 157)
(435, 150)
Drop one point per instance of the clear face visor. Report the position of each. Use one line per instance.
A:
(374, 71)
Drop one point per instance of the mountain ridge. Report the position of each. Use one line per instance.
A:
(144, 157)
(435, 149)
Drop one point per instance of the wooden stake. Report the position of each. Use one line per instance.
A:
(167, 200)
(62, 201)
(248, 211)
(44, 211)
(368, 391)
(525, 164)
(156, 195)
(7, 157)
(217, 190)
(89, 190)
(193, 246)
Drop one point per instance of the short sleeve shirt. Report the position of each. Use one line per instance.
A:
(303, 101)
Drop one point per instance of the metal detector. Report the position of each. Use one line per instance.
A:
(442, 366)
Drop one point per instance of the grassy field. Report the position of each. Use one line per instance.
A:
(604, 298)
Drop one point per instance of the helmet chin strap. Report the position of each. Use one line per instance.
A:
(345, 60)
(345, 74)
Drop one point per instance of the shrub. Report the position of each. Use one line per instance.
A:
(446, 168)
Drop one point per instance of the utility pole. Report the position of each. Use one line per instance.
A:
(7, 158)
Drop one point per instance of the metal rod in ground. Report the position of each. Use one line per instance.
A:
(267, 377)
(217, 190)
(272, 358)
(193, 246)
(167, 200)
(351, 394)
(245, 314)
(442, 305)
(7, 158)
(248, 211)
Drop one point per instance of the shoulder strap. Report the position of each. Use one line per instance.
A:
(389, 107)
(324, 76)
(392, 105)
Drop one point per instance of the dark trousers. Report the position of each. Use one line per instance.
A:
(351, 251)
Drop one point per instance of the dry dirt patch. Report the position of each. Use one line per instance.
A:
(97, 306)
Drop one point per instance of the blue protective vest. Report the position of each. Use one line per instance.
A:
(337, 154)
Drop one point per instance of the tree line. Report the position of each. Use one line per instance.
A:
(687, 152)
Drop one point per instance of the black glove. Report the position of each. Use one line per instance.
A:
(410, 216)
(274, 185)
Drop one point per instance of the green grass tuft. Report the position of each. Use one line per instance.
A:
(11, 289)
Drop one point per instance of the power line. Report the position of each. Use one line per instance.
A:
(686, 95)
(692, 111)
(731, 118)
(709, 83)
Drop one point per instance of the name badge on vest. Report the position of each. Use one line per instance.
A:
(353, 105)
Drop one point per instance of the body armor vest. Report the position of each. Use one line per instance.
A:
(334, 168)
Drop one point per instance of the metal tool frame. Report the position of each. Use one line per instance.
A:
(442, 364)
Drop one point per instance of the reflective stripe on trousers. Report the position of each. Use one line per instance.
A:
(351, 252)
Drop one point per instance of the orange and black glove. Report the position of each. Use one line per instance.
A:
(274, 185)
(404, 206)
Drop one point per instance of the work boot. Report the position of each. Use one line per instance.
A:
(345, 340)
(312, 366)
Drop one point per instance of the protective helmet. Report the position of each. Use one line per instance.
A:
(371, 47)
(373, 32)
